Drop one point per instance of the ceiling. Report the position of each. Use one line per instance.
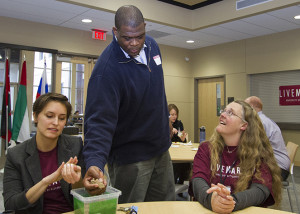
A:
(69, 15)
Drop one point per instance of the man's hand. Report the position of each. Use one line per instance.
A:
(96, 173)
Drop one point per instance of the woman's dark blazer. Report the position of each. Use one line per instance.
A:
(22, 171)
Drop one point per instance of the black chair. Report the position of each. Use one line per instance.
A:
(71, 130)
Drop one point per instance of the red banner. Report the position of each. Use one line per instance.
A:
(289, 95)
(6, 112)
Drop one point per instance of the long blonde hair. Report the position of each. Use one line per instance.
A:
(254, 148)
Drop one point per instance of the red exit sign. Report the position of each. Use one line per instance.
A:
(99, 34)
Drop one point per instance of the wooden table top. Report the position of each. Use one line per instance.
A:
(186, 207)
(183, 152)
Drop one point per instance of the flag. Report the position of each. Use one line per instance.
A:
(43, 86)
(20, 131)
(6, 112)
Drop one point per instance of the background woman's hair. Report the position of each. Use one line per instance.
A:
(173, 106)
(44, 99)
(253, 149)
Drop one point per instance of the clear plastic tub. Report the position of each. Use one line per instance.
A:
(101, 204)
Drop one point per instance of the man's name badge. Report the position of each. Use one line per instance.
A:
(157, 60)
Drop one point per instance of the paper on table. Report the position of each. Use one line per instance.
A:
(174, 146)
(188, 144)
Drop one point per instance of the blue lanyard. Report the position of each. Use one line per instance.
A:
(222, 181)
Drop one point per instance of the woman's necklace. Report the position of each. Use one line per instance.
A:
(230, 151)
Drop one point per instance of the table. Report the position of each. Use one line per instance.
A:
(183, 152)
(186, 207)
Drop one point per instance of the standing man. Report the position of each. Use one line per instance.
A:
(274, 134)
(126, 117)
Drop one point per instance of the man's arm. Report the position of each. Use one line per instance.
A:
(101, 117)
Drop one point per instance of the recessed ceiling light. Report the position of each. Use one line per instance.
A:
(190, 41)
(297, 17)
(86, 20)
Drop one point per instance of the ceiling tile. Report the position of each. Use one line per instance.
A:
(153, 26)
(205, 37)
(247, 28)
(287, 14)
(271, 22)
(227, 33)
(92, 13)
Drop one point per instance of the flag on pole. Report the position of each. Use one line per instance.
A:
(43, 86)
(6, 112)
(20, 131)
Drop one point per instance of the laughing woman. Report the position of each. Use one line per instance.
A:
(39, 172)
(236, 168)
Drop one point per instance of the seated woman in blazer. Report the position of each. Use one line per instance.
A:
(39, 172)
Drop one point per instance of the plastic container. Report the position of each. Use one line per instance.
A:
(102, 204)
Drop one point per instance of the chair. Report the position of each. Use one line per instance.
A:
(181, 188)
(291, 150)
(70, 130)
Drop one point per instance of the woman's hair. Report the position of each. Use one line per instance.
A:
(44, 99)
(173, 106)
(253, 149)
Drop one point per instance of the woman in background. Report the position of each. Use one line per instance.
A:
(236, 168)
(179, 134)
(39, 172)
(75, 117)
(181, 170)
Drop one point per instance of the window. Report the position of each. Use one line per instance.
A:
(79, 88)
(66, 72)
(72, 79)
(39, 66)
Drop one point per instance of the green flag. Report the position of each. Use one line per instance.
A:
(20, 130)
